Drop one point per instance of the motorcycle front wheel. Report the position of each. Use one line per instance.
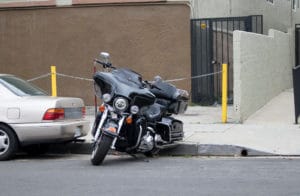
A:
(100, 149)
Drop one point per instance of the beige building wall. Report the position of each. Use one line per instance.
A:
(262, 69)
(277, 15)
(150, 38)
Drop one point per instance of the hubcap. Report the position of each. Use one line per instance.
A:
(4, 142)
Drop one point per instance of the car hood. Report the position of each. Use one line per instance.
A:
(31, 109)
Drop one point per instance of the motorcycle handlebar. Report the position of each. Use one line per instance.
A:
(152, 85)
(105, 65)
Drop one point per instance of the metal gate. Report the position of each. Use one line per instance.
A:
(296, 73)
(297, 44)
(212, 45)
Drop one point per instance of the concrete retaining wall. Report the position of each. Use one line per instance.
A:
(262, 69)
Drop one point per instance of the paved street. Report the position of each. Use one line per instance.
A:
(124, 175)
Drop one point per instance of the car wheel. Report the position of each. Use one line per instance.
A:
(8, 143)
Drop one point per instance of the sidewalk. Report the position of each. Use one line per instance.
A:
(270, 131)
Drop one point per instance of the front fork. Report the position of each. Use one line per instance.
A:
(112, 130)
(120, 124)
(103, 118)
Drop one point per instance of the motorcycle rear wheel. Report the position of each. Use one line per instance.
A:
(100, 149)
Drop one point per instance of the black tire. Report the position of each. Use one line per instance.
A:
(100, 149)
(8, 143)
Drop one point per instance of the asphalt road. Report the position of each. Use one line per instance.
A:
(124, 175)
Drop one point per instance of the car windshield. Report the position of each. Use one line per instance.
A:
(20, 87)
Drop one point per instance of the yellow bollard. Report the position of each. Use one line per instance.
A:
(224, 93)
(53, 81)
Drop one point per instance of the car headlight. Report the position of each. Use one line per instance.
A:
(120, 104)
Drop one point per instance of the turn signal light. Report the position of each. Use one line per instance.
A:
(83, 112)
(54, 114)
(129, 120)
(112, 129)
(102, 108)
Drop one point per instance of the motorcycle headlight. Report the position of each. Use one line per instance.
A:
(134, 109)
(106, 98)
(120, 104)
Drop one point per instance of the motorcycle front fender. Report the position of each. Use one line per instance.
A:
(110, 129)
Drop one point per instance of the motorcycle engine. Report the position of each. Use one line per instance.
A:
(147, 143)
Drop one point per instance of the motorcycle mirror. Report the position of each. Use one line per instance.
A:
(104, 56)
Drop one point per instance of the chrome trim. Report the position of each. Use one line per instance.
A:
(103, 117)
(120, 124)
(151, 129)
(126, 104)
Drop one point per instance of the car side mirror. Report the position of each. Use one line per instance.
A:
(104, 57)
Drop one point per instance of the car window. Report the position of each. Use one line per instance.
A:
(21, 87)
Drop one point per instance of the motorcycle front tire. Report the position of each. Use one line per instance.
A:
(100, 149)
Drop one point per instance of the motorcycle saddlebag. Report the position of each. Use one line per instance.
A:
(178, 107)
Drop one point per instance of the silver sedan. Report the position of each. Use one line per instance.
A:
(29, 116)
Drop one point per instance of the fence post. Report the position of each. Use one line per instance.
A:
(53, 81)
(224, 92)
(296, 84)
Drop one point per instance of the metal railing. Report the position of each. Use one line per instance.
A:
(212, 45)
(296, 83)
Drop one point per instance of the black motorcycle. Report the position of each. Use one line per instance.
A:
(135, 116)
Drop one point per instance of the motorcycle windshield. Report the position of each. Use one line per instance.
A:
(126, 83)
(128, 77)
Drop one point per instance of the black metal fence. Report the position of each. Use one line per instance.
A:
(296, 73)
(212, 45)
(296, 82)
(297, 44)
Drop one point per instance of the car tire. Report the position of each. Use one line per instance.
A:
(8, 143)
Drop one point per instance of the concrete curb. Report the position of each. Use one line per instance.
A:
(183, 149)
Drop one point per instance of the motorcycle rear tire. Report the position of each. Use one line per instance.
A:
(101, 149)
